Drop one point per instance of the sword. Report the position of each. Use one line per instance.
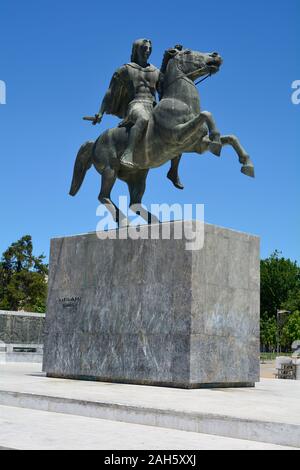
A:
(94, 119)
(89, 118)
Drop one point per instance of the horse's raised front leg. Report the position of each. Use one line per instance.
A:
(187, 130)
(244, 159)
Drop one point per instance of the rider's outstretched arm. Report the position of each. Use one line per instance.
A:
(103, 107)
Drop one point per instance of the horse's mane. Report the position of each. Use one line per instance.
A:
(168, 55)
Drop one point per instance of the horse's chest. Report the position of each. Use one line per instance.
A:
(193, 102)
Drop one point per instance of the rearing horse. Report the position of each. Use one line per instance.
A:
(177, 126)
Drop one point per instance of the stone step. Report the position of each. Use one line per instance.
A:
(24, 429)
(268, 413)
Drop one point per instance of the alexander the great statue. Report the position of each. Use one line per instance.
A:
(131, 96)
(152, 133)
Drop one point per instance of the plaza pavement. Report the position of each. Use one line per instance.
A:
(46, 413)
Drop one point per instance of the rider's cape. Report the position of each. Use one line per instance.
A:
(121, 91)
(119, 99)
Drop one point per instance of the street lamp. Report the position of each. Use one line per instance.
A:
(280, 314)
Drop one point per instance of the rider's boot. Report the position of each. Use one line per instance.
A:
(127, 159)
(135, 135)
(215, 145)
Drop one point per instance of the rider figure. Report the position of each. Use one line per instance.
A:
(132, 97)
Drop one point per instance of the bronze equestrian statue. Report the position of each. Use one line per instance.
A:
(175, 126)
(131, 96)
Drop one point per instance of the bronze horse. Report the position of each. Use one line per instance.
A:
(177, 126)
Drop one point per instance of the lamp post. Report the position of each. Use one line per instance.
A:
(279, 325)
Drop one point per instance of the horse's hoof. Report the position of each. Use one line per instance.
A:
(152, 220)
(215, 148)
(248, 170)
(124, 222)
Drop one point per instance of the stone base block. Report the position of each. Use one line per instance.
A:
(152, 312)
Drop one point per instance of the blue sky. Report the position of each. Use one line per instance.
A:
(57, 58)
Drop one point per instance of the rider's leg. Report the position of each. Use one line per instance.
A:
(173, 173)
(135, 134)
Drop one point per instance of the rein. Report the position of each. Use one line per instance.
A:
(188, 74)
(202, 79)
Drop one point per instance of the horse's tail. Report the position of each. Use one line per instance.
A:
(82, 164)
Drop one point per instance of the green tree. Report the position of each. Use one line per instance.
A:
(268, 333)
(23, 278)
(293, 302)
(280, 279)
(291, 330)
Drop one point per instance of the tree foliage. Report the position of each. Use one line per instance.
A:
(268, 333)
(280, 280)
(291, 330)
(23, 278)
(280, 290)
(293, 301)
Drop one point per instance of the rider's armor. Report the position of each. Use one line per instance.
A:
(141, 84)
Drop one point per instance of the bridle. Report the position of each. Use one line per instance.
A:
(184, 76)
(204, 78)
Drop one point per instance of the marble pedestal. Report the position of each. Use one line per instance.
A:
(152, 312)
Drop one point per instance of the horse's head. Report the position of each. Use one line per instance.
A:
(193, 64)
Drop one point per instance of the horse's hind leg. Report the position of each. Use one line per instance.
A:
(137, 187)
(109, 177)
(244, 159)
